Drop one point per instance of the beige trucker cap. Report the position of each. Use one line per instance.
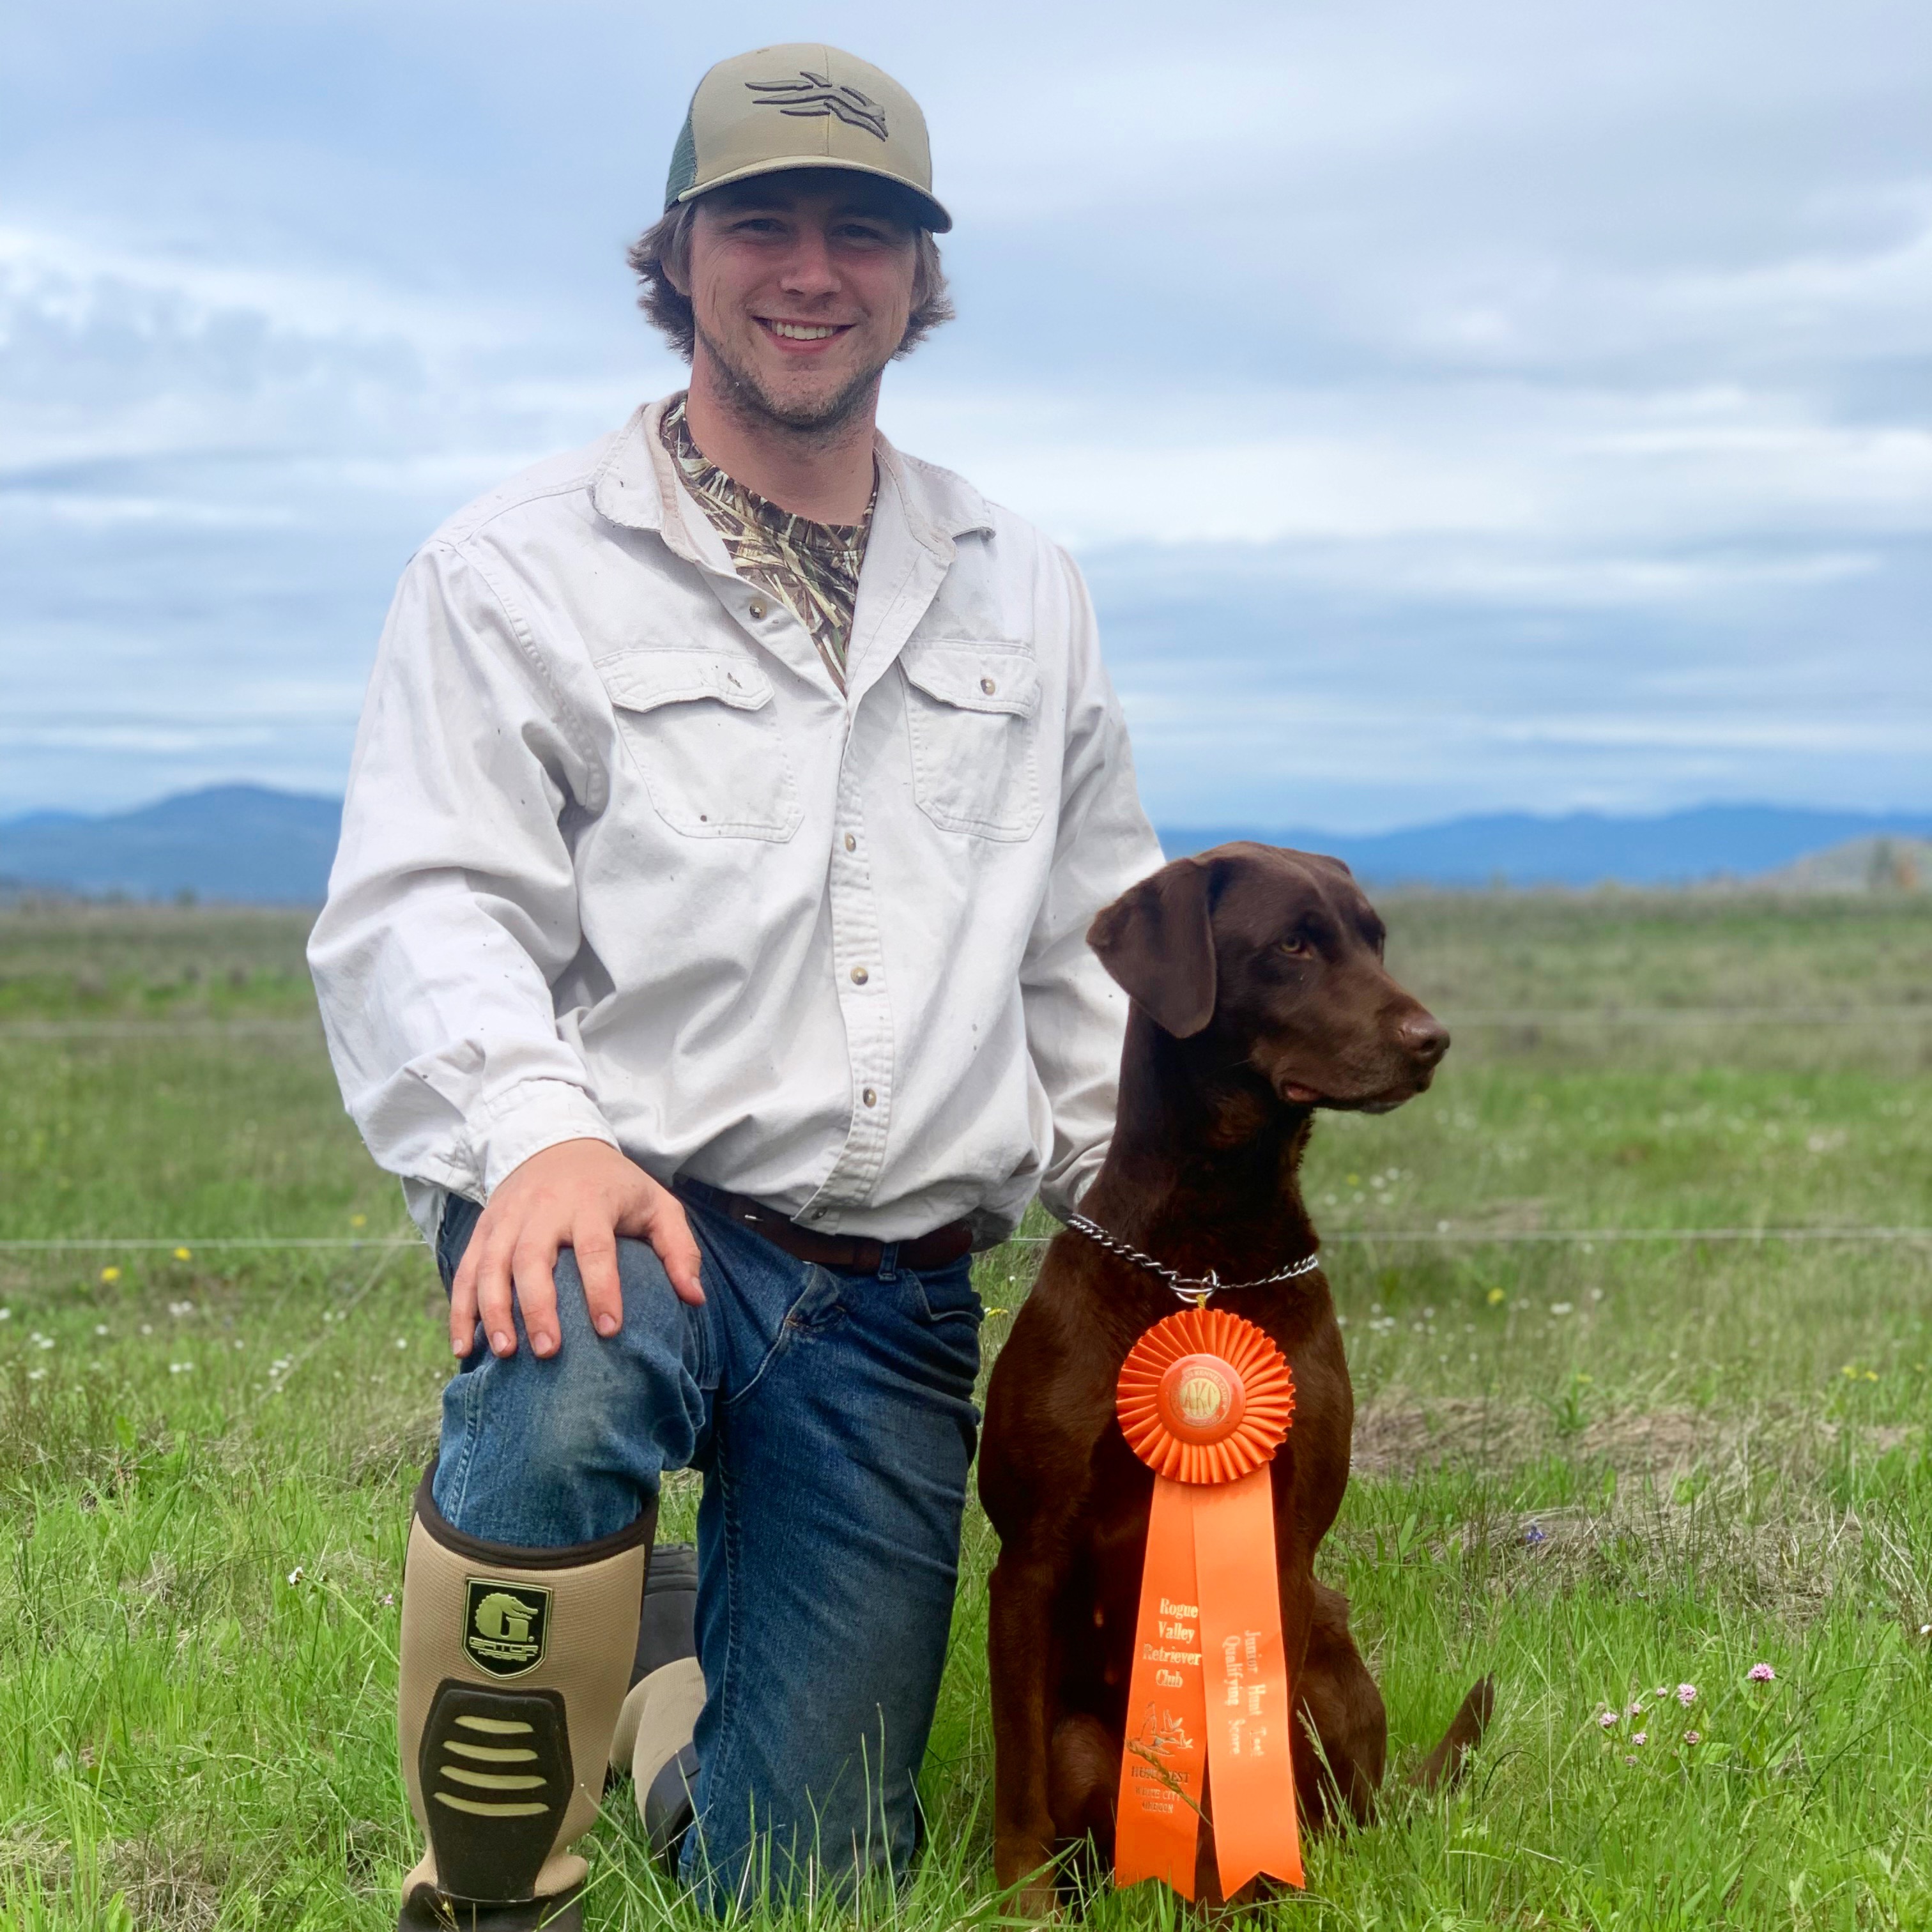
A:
(802, 106)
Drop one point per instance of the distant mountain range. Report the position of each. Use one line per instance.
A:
(1582, 848)
(244, 843)
(250, 844)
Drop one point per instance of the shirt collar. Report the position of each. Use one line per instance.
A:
(637, 486)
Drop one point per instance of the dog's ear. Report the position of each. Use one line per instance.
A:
(1157, 940)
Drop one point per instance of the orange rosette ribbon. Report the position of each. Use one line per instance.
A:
(1205, 1399)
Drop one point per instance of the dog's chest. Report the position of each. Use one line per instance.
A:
(1308, 1475)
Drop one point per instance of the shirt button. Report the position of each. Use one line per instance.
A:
(988, 686)
(758, 607)
(851, 844)
(859, 976)
(870, 1097)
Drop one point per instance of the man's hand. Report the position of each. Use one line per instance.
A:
(580, 1195)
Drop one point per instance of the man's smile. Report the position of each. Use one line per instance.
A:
(802, 331)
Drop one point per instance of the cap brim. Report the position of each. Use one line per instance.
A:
(937, 219)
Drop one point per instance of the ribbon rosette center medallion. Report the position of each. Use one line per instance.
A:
(1205, 1399)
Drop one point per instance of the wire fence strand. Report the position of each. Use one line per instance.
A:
(1446, 1233)
(93, 1243)
(308, 1025)
(271, 1028)
(1487, 1236)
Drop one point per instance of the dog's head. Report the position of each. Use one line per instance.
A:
(1273, 960)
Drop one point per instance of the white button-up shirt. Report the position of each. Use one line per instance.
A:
(619, 861)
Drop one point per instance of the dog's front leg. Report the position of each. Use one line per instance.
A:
(1019, 1639)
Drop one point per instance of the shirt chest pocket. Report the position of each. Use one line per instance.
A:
(704, 732)
(973, 713)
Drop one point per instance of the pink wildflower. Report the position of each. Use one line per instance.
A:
(1687, 1695)
(1761, 1673)
(1639, 1737)
(1608, 1719)
(1637, 1707)
(1694, 1737)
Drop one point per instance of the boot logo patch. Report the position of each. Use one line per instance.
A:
(505, 1626)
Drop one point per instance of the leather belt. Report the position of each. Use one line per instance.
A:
(844, 1254)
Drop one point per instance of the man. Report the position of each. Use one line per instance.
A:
(707, 950)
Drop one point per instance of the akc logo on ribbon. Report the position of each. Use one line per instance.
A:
(1204, 1400)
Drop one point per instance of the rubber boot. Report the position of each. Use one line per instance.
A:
(652, 1742)
(515, 1664)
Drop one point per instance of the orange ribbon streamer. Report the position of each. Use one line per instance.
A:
(1205, 1399)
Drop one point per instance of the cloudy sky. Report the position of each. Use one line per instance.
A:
(1457, 406)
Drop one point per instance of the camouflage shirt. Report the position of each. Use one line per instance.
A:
(811, 569)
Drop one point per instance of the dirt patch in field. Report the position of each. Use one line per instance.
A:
(1657, 1440)
(26, 1850)
(1394, 1438)
(165, 1890)
(1739, 1507)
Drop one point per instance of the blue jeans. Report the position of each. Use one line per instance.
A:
(832, 1417)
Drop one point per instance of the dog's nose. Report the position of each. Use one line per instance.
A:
(1423, 1037)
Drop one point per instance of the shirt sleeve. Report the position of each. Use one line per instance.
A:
(452, 905)
(1076, 1016)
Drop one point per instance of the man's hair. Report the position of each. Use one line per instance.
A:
(666, 244)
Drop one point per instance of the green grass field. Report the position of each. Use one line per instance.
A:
(1600, 1468)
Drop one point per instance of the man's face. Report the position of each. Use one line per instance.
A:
(801, 285)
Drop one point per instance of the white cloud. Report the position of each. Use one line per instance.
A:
(1510, 404)
(1589, 466)
(73, 279)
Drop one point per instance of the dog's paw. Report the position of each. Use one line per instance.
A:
(1037, 1900)
(1026, 1873)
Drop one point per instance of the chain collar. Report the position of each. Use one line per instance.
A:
(1195, 1288)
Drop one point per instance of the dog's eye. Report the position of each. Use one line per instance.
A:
(1295, 948)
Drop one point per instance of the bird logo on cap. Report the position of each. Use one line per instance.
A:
(813, 96)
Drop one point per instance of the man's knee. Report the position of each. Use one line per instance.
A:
(564, 1448)
(653, 1312)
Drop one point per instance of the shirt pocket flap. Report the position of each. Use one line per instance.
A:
(641, 681)
(974, 678)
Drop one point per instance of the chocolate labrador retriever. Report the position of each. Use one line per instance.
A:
(1258, 994)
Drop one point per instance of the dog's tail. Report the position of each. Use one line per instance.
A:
(1442, 1769)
